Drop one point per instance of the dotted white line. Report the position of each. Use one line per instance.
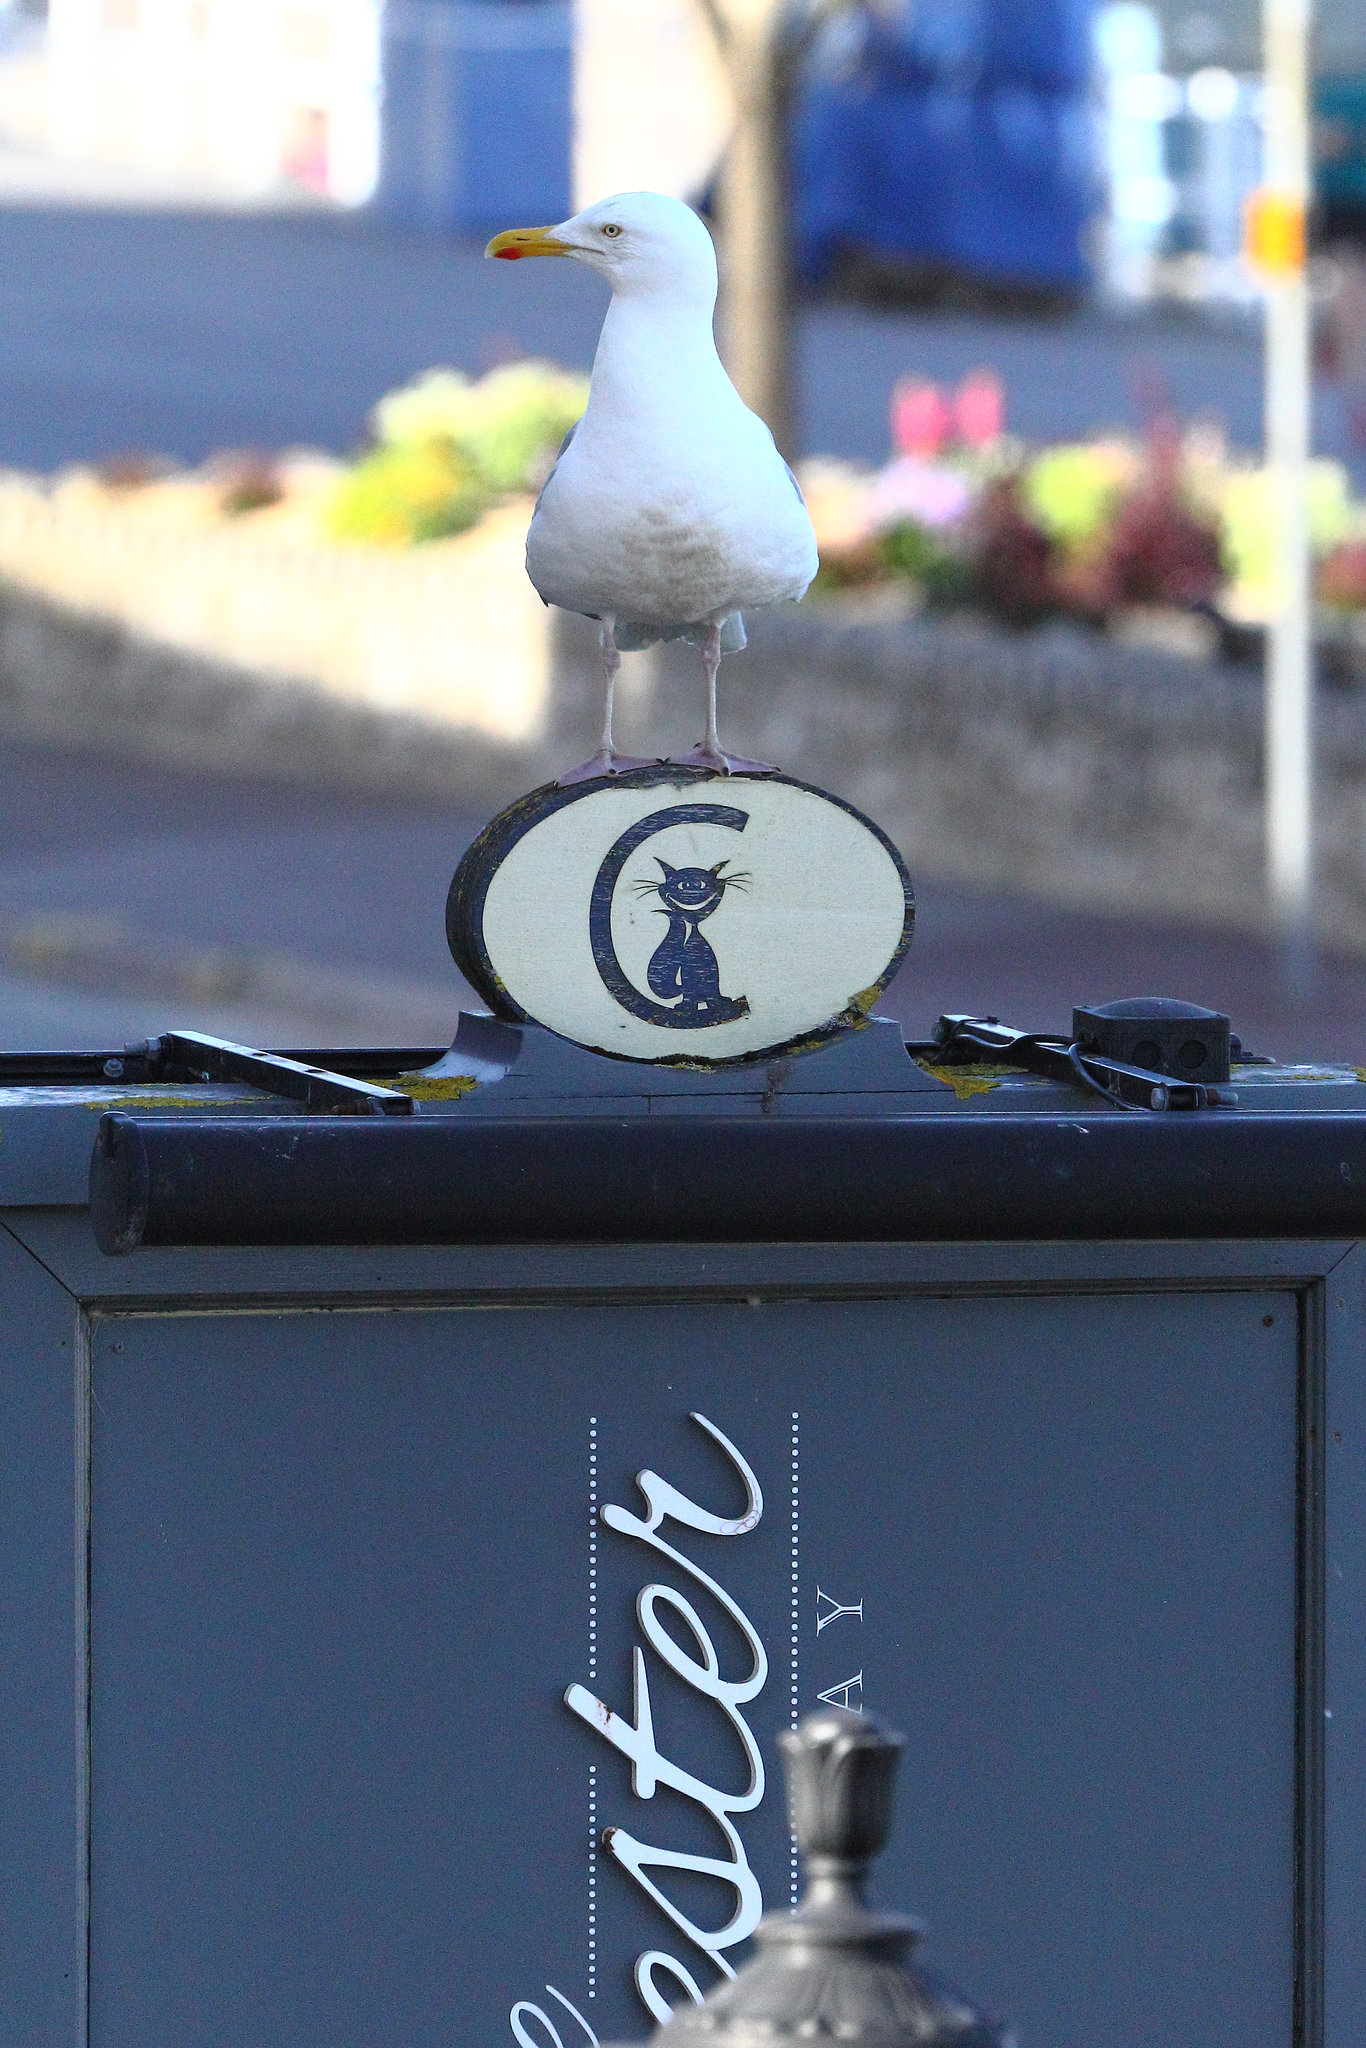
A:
(593, 1547)
(592, 1676)
(592, 1881)
(794, 1705)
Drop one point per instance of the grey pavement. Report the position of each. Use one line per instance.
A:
(135, 898)
(250, 909)
(184, 332)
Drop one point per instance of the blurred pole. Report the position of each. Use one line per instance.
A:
(1276, 246)
(756, 309)
(762, 44)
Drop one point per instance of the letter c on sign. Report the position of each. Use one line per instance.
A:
(605, 888)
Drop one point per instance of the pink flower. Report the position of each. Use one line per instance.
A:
(979, 409)
(922, 491)
(922, 417)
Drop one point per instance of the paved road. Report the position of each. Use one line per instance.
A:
(133, 898)
(185, 332)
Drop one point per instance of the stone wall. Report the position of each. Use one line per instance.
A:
(1054, 763)
(1051, 764)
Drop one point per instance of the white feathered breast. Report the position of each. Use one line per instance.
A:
(673, 512)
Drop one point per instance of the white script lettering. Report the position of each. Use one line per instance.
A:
(654, 2000)
(524, 2011)
(635, 1739)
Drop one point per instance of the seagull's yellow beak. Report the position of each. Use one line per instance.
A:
(516, 242)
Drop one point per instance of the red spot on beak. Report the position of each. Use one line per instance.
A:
(509, 255)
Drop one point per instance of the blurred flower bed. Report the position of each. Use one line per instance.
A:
(1168, 537)
(298, 567)
(444, 452)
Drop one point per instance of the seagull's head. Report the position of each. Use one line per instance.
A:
(641, 242)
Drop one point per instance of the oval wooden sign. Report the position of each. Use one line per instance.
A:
(682, 917)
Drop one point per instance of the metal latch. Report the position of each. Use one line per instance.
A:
(217, 1059)
(1059, 1059)
(1143, 1088)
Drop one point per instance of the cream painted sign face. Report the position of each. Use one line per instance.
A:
(672, 915)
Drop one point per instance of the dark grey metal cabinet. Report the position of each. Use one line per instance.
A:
(303, 1548)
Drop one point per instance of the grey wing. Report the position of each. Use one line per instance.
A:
(556, 463)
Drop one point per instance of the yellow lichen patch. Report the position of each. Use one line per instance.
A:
(167, 1099)
(433, 1088)
(1360, 1073)
(863, 1002)
(970, 1080)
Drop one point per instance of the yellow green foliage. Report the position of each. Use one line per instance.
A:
(1247, 505)
(446, 448)
(1072, 491)
(509, 424)
(406, 492)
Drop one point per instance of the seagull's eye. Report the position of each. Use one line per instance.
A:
(612, 230)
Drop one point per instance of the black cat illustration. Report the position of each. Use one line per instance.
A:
(683, 965)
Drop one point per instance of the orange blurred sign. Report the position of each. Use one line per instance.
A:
(1274, 232)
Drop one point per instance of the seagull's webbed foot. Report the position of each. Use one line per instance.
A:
(607, 761)
(704, 756)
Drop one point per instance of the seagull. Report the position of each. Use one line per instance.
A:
(669, 510)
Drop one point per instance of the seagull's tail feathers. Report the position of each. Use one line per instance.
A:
(733, 636)
(633, 634)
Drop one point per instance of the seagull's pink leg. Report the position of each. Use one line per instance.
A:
(709, 754)
(607, 761)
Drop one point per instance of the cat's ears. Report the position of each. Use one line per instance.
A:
(719, 865)
(664, 865)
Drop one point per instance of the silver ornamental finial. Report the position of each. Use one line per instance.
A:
(834, 1970)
